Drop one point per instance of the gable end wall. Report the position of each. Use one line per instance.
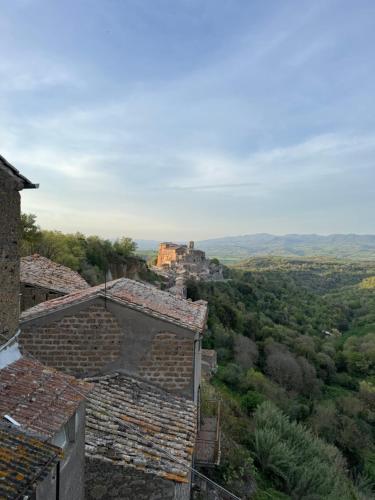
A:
(81, 344)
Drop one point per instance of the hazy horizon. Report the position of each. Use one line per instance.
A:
(189, 120)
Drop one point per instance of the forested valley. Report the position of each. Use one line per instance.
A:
(296, 349)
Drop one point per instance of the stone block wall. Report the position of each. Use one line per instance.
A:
(9, 256)
(80, 344)
(169, 363)
(166, 255)
(32, 295)
(107, 481)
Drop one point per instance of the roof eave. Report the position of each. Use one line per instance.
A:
(26, 183)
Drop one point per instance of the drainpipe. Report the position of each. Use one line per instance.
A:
(58, 481)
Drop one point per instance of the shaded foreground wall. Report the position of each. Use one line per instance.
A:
(106, 481)
(9, 256)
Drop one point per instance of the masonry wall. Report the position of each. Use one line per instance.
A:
(106, 481)
(9, 256)
(81, 343)
(166, 255)
(169, 362)
(87, 340)
(32, 295)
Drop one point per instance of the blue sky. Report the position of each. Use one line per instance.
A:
(180, 119)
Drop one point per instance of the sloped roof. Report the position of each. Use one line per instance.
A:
(40, 399)
(24, 461)
(133, 294)
(135, 424)
(13, 172)
(40, 271)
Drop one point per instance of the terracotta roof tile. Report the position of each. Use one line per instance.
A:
(24, 460)
(133, 423)
(40, 399)
(141, 296)
(42, 272)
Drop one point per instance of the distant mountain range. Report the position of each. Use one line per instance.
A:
(234, 248)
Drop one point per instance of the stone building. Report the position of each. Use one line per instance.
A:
(172, 253)
(122, 325)
(139, 441)
(50, 406)
(176, 264)
(42, 279)
(11, 182)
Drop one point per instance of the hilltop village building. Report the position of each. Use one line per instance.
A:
(140, 441)
(122, 325)
(141, 347)
(42, 279)
(176, 264)
(172, 254)
(41, 410)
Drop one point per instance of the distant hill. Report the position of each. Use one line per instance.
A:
(147, 244)
(234, 248)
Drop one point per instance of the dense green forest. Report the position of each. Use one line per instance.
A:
(95, 258)
(296, 346)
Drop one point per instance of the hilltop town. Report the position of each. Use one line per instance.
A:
(176, 264)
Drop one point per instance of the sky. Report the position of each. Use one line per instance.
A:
(191, 119)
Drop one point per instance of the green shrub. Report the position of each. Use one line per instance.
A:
(251, 401)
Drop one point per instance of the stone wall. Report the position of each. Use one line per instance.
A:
(166, 255)
(169, 363)
(9, 256)
(88, 339)
(81, 343)
(107, 481)
(32, 295)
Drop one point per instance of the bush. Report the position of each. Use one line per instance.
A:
(231, 374)
(245, 351)
(251, 401)
(293, 457)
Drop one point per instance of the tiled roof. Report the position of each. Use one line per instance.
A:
(132, 423)
(136, 295)
(24, 461)
(40, 271)
(13, 172)
(40, 399)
